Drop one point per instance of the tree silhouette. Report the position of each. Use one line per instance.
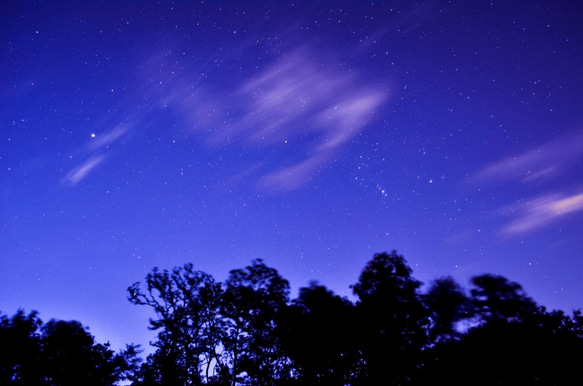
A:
(448, 304)
(319, 336)
(254, 298)
(57, 353)
(71, 356)
(246, 331)
(185, 303)
(511, 342)
(497, 298)
(393, 319)
(507, 353)
(20, 349)
(211, 335)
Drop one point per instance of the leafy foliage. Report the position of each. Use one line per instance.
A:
(497, 298)
(185, 303)
(448, 304)
(214, 335)
(254, 298)
(246, 331)
(318, 334)
(57, 353)
(392, 319)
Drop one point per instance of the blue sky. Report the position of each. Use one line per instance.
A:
(141, 135)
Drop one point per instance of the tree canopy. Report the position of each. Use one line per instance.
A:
(247, 331)
(57, 353)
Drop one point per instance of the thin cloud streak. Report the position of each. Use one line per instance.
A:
(541, 162)
(87, 166)
(292, 176)
(77, 174)
(296, 100)
(542, 211)
(298, 91)
(105, 139)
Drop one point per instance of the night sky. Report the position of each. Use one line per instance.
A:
(136, 135)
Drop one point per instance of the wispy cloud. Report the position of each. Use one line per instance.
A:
(107, 138)
(543, 165)
(79, 172)
(292, 176)
(93, 155)
(299, 99)
(542, 211)
(543, 161)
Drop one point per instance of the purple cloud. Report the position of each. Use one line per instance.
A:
(298, 99)
(97, 143)
(540, 162)
(541, 211)
(79, 172)
(107, 138)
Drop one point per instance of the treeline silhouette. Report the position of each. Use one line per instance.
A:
(246, 331)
